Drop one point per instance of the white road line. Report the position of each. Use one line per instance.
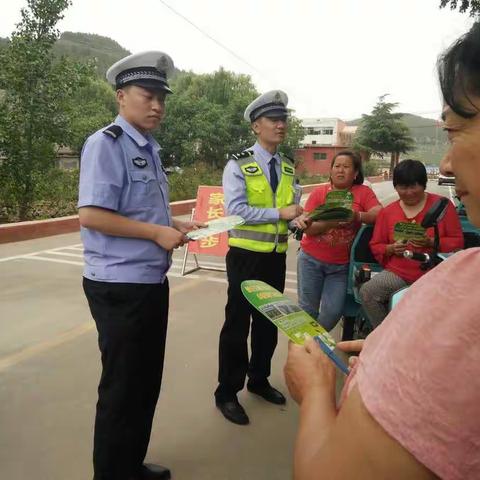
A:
(171, 273)
(16, 257)
(54, 260)
(66, 254)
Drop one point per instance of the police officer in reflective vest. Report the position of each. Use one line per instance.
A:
(128, 236)
(259, 185)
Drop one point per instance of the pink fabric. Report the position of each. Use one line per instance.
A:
(334, 246)
(419, 372)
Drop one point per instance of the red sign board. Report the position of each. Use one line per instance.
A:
(209, 206)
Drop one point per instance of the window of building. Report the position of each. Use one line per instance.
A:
(327, 131)
(319, 156)
(314, 142)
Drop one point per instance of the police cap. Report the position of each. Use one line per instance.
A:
(145, 69)
(271, 104)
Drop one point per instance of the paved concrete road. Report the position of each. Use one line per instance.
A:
(49, 369)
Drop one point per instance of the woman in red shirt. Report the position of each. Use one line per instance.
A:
(410, 181)
(325, 248)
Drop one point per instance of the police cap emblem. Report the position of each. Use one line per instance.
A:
(139, 162)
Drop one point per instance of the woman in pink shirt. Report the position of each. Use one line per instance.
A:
(411, 406)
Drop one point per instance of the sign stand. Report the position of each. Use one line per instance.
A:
(197, 265)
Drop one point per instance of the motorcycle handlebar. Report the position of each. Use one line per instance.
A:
(419, 257)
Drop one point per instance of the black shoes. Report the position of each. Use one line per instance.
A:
(154, 472)
(268, 393)
(233, 411)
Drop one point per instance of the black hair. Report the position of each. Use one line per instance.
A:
(410, 172)
(459, 73)
(356, 161)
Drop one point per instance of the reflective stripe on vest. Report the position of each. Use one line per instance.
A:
(265, 237)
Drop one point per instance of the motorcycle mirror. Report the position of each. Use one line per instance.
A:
(435, 213)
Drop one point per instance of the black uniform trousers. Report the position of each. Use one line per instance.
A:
(233, 351)
(131, 321)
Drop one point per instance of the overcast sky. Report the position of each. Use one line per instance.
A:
(332, 57)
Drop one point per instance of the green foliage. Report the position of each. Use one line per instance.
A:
(93, 106)
(204, 120)
(56, 196)
(463, 6)
(35, 107)
(383, 131)
(184, 185)
(296, 133)
(86, 47)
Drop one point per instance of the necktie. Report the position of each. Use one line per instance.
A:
(273, 175)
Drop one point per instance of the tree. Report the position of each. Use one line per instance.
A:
(205, 121)
(383, 132)
(464, 5)
(37, 100)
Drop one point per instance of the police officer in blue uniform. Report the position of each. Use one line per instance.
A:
(259, 185)
(128, 236)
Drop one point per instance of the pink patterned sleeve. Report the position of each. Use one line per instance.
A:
(419, 372)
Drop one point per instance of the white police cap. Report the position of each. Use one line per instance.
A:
(271, 104)
(145, 69)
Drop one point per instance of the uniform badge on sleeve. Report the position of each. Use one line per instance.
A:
(140, 162)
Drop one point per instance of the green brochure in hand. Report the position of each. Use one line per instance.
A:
(337, 206)
(219, 225)
(404, 232)
(289, 317)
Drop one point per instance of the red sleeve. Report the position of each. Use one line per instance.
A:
(316, 198)
(380, 238)
(450, 230)
(368, 199)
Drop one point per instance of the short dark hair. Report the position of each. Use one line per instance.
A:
(410, 172)
(459, 73)
(356, 161)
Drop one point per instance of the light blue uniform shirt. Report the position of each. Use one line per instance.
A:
(234, 188)
(124, 175)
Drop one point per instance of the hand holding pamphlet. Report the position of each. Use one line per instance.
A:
(219, 225)
(289, 318)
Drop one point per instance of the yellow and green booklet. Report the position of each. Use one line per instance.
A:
(289, 318)
(337, 206)
(405, 231)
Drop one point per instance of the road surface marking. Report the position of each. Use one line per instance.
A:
(62, 338)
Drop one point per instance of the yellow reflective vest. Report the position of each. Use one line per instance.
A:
(264, 237)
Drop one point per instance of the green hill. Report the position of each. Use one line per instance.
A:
(87, 46)
(430, 140)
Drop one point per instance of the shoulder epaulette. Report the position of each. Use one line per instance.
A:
(113, 131)
(244, 154)
(288, 158)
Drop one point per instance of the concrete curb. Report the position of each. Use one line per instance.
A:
(17, 232)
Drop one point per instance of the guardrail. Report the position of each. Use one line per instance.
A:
(16, 232)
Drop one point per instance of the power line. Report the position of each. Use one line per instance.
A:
(220, 44)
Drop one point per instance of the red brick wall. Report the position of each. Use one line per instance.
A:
(307, 163)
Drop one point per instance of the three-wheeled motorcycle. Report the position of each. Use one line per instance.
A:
(363, 266)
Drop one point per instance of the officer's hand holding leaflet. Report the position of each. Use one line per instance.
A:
(290, 212)
(186, 227)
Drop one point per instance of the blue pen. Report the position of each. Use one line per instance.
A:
(335, 359)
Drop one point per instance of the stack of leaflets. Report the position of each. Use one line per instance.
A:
(337, 207)
(218, 225)
(406, 232)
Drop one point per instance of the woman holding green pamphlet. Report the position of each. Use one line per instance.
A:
(410, 408)
(336, 211)
(398, 227)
